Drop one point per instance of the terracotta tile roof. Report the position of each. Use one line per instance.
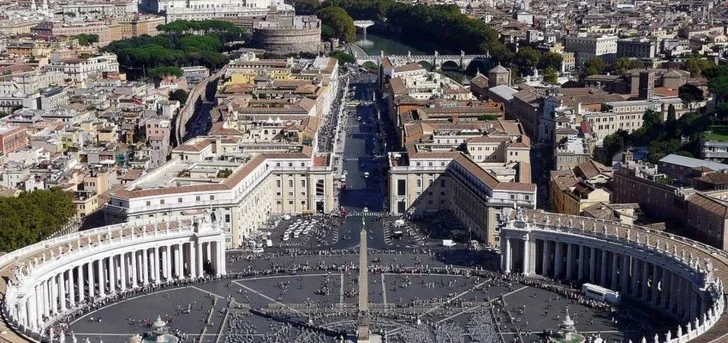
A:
(474, 169)
(408, 67)
(480, 81)
(397, 85)
(710, 204)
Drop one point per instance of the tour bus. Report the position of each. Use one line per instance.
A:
(600, 293)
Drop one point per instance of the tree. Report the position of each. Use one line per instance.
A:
(527, 59)
(502, 54)
(671, 115)
(550, 60)
(719, 87)
(690, 94)
(87, 39)
(594, 66)
(370, 65)
(179, 95)
(696, 65)
(625, 64)
(327, 32)
(550, 76)
(339, 21)
(343, 57)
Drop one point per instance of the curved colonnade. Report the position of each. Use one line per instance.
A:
(673, 275)
(51, 278)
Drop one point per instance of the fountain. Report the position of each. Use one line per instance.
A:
(157, 335)
(567, 332)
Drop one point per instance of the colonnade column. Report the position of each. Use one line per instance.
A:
(179, 262)
(39, 305)
(655, 271)
(674, 292)
(91, 281)
(112, 274)
(624, 274)
(193, 258)
(62, 290)
(209, 252)
(71, 289)
(603, 272)
(580, 274)
(615, 265)
(221, 257)
(157, 267)
(53, 290)
(546, 260)
(645, 280)
(635, 277)
(123, 264)
(558, 259)
(79, 283)
(165, 261)
(665, 288)
(526, 257)
(569, 261)
(33, 310)
(168, 262)
(198, 261)
(134, 261)
(592, 265)
(102, 278)
(145, 267)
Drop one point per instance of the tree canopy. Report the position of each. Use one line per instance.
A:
(343, 57)
(339, 21)
(87, 39)
(428, 27)
(139, 56)
(179, 95)
(33, 216)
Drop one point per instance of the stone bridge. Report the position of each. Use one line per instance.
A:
(435, 61)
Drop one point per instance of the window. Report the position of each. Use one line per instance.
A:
(513, 197)
(212, 197)
(303, 183)
(290, 194)
(197, 198)
(278, 183)
(290, 183)
(419, 183)
(179, 199)
(149, 203)
(161, 202)
(290, 202)
(227, 218)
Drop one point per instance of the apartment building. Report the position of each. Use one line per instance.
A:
(587, 47)
(79, 69)
(573, 190)
(421, 181)
(637, 48)
(242, 190)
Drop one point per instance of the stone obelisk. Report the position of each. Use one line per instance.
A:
(362, 333)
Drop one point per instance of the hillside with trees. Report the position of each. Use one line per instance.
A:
(32, 217)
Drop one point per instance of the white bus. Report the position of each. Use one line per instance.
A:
(600, 293)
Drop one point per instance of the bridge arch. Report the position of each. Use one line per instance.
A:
(476, 65)
(425, 64)
(450, 65)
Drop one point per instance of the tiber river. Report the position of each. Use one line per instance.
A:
(373, 44)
